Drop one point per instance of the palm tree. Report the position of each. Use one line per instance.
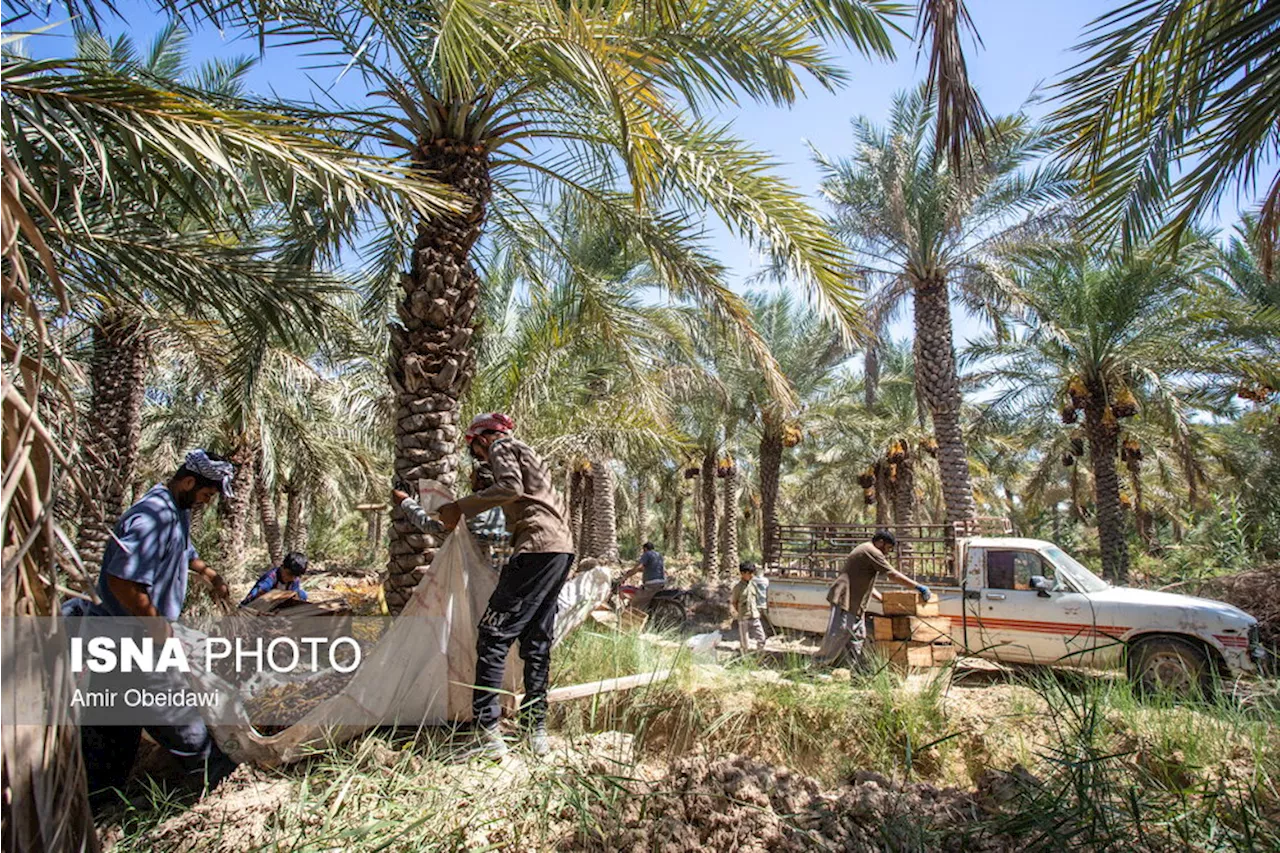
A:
(923, 229)
(1171, 106)
(1116, 337)
(76, 218)
(806, 349)
(506, 102)
(315, 425)
(129, 250)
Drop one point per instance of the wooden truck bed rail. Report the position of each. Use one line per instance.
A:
(925, 551)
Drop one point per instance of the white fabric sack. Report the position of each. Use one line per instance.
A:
(421, 671)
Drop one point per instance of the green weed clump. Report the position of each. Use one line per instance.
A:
(1120, 772)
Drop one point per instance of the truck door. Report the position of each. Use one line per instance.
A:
(1025, 625)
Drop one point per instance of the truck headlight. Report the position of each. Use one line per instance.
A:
(1256, 651)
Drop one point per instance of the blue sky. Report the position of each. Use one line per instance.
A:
(1026, 44)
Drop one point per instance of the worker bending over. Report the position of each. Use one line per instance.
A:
(286, 576)
(144, 574)
(848, 596)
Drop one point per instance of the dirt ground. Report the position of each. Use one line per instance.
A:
(738, 803)
(662, 801)
(714, 803)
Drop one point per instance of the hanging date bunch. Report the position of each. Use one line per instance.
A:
(1255, 393)
(1131, 450)
(791, 435)
(1068, 460)
(725, 467)
(869, 497)
(867, 479)
(1125, 405)
(930, 446)
(897, 453)
(1078, 397)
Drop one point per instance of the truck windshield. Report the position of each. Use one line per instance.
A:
(1081, 578)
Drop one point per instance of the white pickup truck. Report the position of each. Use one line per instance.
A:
(1027, 601)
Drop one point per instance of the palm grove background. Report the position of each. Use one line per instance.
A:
(512, 220)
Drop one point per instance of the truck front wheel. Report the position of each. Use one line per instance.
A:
(1169, 665)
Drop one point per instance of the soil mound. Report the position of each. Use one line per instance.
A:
(741, 804)
(1256, 592)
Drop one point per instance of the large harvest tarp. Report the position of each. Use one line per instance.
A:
(419, 673)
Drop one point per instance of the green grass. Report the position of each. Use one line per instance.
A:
(594, 654)
(1108, 770)
(1121, 772)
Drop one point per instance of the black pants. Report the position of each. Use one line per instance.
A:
(110, 742)
(522, 607)
(109, 753)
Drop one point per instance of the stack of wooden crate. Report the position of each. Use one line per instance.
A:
(911, 633)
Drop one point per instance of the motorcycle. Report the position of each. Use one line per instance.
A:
(668, 610)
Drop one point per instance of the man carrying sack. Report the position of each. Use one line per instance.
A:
(523, 606)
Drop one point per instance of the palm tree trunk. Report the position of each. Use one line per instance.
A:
(939, 384)
(882, 494)
(267, 517)
(642, 515)
(1141, 517)
(1077, 506)
(904, 501)
(729, 526)
(770, 466)
(42, 779)
(709, 515)
(1191, 471)
(575, 507)
(871, 374)
(604, 520)
(1104, 442)
(113, 428)
(296, 532)
(676, 543)
(586, 501)
(432, 355)
(233, 511)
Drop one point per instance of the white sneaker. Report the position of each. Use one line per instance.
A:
(489, 744)
(539, 745)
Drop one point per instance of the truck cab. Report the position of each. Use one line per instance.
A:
(1026, 601)
(1034, 603)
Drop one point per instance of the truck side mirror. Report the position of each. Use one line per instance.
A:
(1042, 585)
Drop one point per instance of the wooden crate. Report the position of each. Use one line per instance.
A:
(908, 654)
(907, 603)
(884, 629)
(921, 629)
(928, 629)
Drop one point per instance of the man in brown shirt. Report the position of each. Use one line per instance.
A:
(523, 605)
(848, 597)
